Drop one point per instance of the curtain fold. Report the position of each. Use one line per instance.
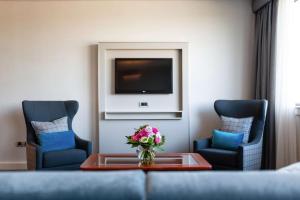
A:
(265, 42)
(258, 4)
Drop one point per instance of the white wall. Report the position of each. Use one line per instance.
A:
(48, 51)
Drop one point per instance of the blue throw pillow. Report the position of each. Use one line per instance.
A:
(57, 141)
(226, 140)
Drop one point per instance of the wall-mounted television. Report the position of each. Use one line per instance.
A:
(143, 76)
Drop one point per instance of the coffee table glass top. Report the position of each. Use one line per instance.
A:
(162, 161)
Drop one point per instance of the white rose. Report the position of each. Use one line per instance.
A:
(144, 139)
(148, 129)
(158, 135)
(151, 134)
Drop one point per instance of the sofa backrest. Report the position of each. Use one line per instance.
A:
(136, 185)
(114, 185)
(223, 185)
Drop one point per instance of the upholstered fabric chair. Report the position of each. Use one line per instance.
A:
(69, 159)
(248, 156)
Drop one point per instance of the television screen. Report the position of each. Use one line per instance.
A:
(143, 75)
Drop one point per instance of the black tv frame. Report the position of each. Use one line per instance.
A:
(117, 91)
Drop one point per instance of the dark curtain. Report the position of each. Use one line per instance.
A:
(265, 34)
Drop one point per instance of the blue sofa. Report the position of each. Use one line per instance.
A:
(135, 185)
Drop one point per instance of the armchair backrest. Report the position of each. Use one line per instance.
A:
(47, 111)
(245, 108)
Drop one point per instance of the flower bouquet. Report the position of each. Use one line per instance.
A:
(148, 140)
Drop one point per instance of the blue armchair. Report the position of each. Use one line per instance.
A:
(69, 159)
(248, 156)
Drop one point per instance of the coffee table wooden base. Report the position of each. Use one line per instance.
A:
(162, 162)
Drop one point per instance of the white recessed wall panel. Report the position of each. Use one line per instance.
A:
(121, 113)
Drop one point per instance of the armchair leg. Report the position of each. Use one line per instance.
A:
(31, 157)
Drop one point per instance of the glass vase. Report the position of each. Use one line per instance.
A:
(146, 155)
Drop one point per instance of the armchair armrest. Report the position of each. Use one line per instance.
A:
(34, 155)
(202, 144)
(250, 155)
(84, 145)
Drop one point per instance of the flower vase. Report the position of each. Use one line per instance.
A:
(146, 155)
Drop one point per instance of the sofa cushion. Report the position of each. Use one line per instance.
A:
(223, 186)
(64, 157)
(237, 125)
(295, 167)
(220, 156)
(109, 185)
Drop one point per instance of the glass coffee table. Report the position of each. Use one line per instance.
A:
(162, 162)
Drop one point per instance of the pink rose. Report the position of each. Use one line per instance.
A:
(157, 140)
(135, 138)
(154, 130)
(143, 133)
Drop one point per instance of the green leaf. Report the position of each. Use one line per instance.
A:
(134, 145)
(159, 148)
(151, 141)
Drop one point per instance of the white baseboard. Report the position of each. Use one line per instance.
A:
(13, 165)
